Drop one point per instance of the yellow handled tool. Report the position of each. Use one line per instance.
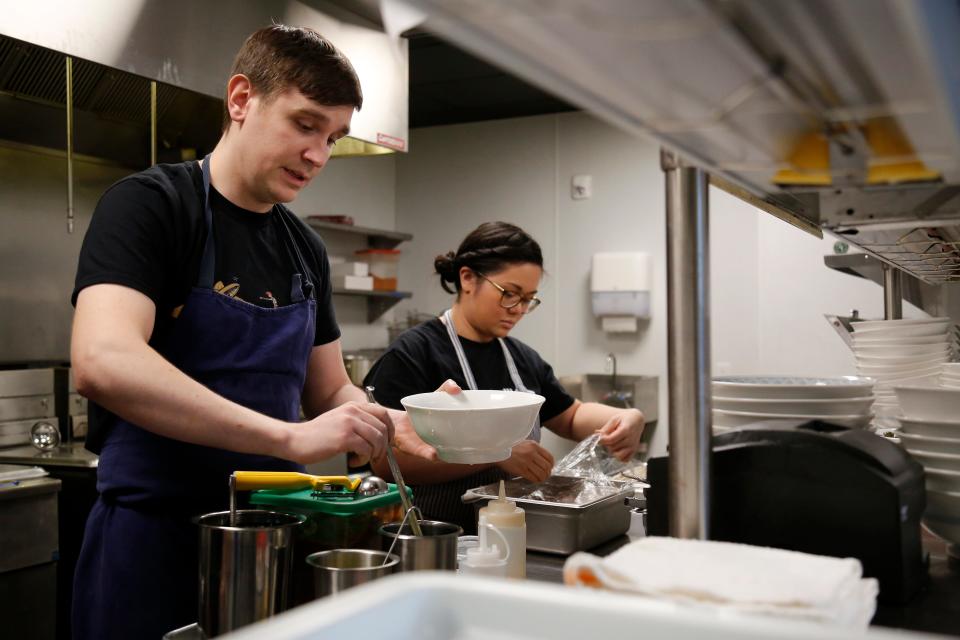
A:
(252, 480)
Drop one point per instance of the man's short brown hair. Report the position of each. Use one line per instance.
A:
(280, 57)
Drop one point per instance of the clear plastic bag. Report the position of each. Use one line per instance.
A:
(592, 461)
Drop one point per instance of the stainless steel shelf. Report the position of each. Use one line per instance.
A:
(378, 302)
(376, 238)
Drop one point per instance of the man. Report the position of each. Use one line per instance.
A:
(203, 322)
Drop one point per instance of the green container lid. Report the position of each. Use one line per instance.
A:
(303, 501)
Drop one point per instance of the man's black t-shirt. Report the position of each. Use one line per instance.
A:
(148, 233)
(421, 359)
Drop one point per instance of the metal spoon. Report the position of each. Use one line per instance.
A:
(398, 478)
(372, 486)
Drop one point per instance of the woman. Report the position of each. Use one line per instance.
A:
(495, 274)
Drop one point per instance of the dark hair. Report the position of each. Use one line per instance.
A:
(278, 57)
(488, 249)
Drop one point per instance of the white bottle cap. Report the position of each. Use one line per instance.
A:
(484, 562)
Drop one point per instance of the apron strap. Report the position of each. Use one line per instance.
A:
(468, 372)
(209, 259)
(300, 286)
(461, 356)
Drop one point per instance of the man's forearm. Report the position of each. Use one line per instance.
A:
(136, 383)
(589, 417)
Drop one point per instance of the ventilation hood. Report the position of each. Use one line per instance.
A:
(188, 47)
(841, 116)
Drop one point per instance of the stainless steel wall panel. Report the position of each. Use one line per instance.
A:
(192, 44)
(38, 258)
(26, 382)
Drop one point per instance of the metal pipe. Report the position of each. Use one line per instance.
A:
(892, 295)
(69, 144)
(688, 347)
(153, 122)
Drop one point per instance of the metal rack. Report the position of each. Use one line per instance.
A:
(841, 117)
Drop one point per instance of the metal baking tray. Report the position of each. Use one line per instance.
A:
(568, 514)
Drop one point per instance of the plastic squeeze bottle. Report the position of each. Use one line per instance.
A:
(512, 523)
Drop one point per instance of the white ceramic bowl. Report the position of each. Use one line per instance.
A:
(722, 418)
(900, 369)
(929, 443)
(942, 479)
(870, 325)
(929, 403)
(938, 356)
(912, 331)
(945, 461)
(951, 369)
(473, 427)
(791, 387)
(824, 406)
(943, 504)
(866, 340)
(925, 380)
(932, 428)
(899, 350)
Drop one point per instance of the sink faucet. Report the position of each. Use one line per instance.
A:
(613, 397)
(610, 366)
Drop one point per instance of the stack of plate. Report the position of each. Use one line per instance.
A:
(741, 400)
(899, 352)
(950, 375)
(931, 433)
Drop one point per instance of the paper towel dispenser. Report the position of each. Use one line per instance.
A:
(620, 289)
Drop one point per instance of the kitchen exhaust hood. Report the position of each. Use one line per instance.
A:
(188, 48)
(841, 116)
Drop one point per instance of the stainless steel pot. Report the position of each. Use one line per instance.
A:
(435, 550)
(244, 568)
(358, 364)
(339, 569)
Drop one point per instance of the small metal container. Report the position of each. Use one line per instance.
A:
(339, 569)
(244, 567)
(435, 550)
(557, 526)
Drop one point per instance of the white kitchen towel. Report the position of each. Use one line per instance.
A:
(734, 576)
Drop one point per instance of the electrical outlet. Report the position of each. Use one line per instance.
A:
(581, 187)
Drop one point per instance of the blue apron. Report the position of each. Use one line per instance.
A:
(137, 575)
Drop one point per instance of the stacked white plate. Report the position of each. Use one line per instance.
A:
(741, 400)
(899, 352)
(931, 433)
(950, 375)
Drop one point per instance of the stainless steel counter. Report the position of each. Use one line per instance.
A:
(548, 567)
(66, 455)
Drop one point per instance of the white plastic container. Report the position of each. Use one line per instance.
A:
(510, 521)
(384, 265)
(484, 558)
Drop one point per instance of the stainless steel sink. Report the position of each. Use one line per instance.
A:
(642, 392)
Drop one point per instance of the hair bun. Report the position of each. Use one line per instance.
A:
(446, 266)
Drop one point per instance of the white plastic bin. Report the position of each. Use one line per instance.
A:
(384, 264)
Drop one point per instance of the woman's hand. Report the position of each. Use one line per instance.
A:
(529, 460)
(451, 387)
(621, 434)
(406, 438)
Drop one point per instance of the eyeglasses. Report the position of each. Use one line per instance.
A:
(509, 299)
